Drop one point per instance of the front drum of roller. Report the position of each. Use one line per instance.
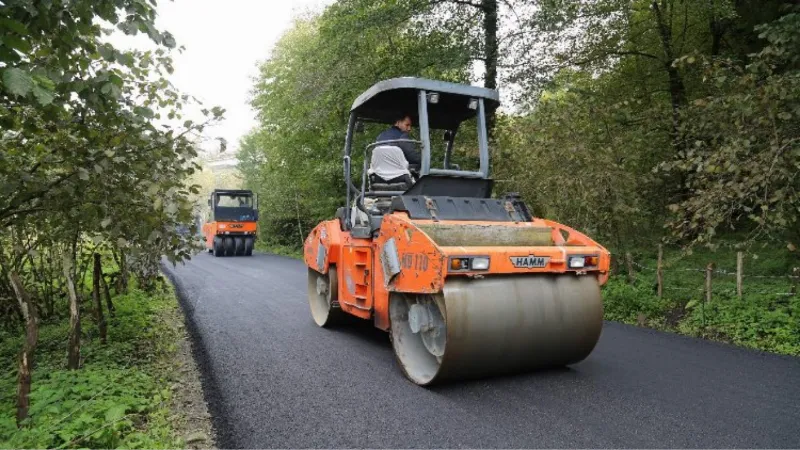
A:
(496, 325)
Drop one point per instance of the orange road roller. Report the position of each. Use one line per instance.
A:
(232, 225)
(467, 285)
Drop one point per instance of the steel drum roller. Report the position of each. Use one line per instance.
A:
(496, 325)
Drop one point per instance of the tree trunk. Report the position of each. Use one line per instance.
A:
(74, 345)
(97, 274)
(677, 89)
(31, 319)
(109, 304)
(718, 28)
(490, 22)
(717, 32)
(80, 274)
(123, 270)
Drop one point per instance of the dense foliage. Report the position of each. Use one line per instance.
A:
(635, 96)
(766, 317)
(121, 395)
(90, 152)
(95, 154)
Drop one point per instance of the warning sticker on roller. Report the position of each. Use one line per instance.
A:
(530, 262)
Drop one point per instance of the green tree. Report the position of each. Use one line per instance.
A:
(84, 163)
(303, 95)
(742, 149)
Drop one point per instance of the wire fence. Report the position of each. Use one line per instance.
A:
(710, 272)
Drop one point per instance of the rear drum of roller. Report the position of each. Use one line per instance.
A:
(496, 325)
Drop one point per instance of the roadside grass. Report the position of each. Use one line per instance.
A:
(120, 396)
(765, 318)
(283, 250)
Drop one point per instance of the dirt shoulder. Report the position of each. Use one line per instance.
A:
(190, 415)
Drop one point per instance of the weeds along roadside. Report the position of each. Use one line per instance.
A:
(123, 393)
(765, 317)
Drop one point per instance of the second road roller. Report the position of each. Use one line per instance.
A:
(467, 285)
(232, 223)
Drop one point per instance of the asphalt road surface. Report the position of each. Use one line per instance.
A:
(273, 379)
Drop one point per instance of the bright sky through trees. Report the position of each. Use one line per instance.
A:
(224, 40)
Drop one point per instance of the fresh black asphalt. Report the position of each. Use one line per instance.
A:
(273, 379)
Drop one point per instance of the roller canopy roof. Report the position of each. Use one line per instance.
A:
(384, 100)
(233, 192)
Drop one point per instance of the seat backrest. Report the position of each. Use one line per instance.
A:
(388, 162)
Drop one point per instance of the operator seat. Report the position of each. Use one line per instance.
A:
(388, 170)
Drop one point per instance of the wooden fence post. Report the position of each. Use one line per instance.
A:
(739, 273)
(629, 263)
(795, 280)
(709, 273)
(660, 271)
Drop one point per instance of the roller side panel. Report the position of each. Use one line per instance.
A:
(418, 264)
(322, 246)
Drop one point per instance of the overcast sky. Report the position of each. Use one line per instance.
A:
(224, 40)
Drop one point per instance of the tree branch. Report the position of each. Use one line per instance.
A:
(34, 195)
(460, 2)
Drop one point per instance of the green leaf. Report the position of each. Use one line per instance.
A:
(115, 413)
(169, 40)
(144, 112)
(13, 25)
(106, 52)
(17, 81)
(114, 78)
(8, 55)
(83, 174)
(126, 59)
(17, 43)
(43, 96)
(45, 82)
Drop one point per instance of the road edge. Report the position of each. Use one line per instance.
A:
(211, 393)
